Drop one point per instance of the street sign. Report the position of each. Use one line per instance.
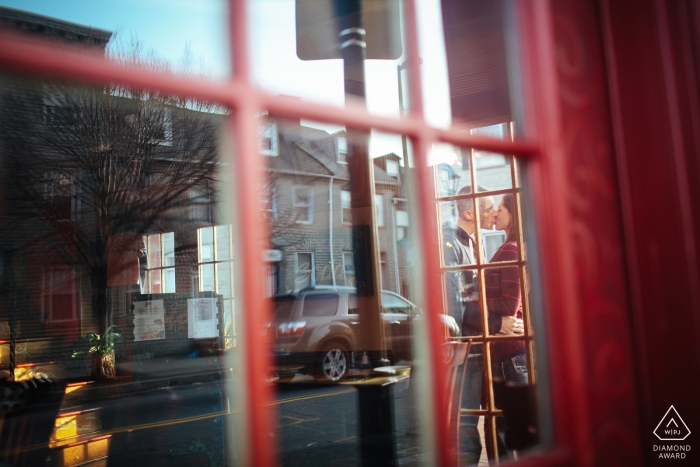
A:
(317, 29)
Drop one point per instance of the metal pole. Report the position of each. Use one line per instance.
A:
(351, 37)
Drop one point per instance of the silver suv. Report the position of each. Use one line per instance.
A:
(316, 328)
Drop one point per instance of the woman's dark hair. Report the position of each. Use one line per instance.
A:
(509, 205)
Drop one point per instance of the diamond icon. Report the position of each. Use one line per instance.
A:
(671, 427)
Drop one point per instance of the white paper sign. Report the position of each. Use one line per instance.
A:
(149, 320)
(201, 318)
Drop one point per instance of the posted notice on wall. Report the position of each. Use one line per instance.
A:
(149, 320)
(201, 318)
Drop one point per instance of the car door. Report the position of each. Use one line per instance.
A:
(396, 314)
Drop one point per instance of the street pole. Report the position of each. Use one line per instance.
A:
(351, 36)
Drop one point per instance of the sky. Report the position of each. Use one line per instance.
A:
(169, 28)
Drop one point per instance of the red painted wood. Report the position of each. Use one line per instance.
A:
(653, 81)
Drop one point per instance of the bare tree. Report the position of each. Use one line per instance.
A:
(84, 164)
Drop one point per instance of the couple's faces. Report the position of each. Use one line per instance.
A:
(488, 213)
(502, 217)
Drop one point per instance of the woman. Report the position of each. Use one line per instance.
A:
(503, 296)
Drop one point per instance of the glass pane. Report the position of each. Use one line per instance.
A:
(206, 277)
(324, 262)
(155, 281)
(223, 243)
(206, 244)
(223, 279)
(99, 153)
(186, 37)
(169, 280)
(454, 176)
(301, 38)
(228, 324)
(169, 249)
(154, 251)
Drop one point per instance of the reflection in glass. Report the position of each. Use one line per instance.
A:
(99, 236)
(314, 268)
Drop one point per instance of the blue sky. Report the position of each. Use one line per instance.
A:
(166, 27)
(170, 27)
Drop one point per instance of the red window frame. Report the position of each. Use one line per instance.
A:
(244, 99)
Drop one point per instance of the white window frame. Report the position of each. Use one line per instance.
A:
(268, 132)
(341, 143)
(309, 204)
(392, 168)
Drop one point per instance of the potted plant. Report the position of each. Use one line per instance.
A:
(101, 348)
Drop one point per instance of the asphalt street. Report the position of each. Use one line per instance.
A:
(319, 425)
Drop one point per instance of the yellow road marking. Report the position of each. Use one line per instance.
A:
(197, 418)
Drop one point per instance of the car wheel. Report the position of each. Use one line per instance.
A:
(333, 365)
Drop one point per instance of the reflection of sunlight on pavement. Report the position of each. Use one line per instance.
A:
(76, 439)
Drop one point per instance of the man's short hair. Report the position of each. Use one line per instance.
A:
(467, 204)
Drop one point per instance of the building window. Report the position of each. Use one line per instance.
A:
(342, 143)
(345, 201)
(60, 295)
(349, 268)
(60, 196)
(201, 204)
(215, 269)
(401, 225)
(162, 130)
(392, 168)
(303, 202)
(268, 139)
(379, 207)
(269, 203)
(305, 276)
(160, 269)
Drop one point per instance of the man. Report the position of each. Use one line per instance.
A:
(459, 248)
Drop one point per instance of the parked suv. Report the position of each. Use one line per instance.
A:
(316, 328)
